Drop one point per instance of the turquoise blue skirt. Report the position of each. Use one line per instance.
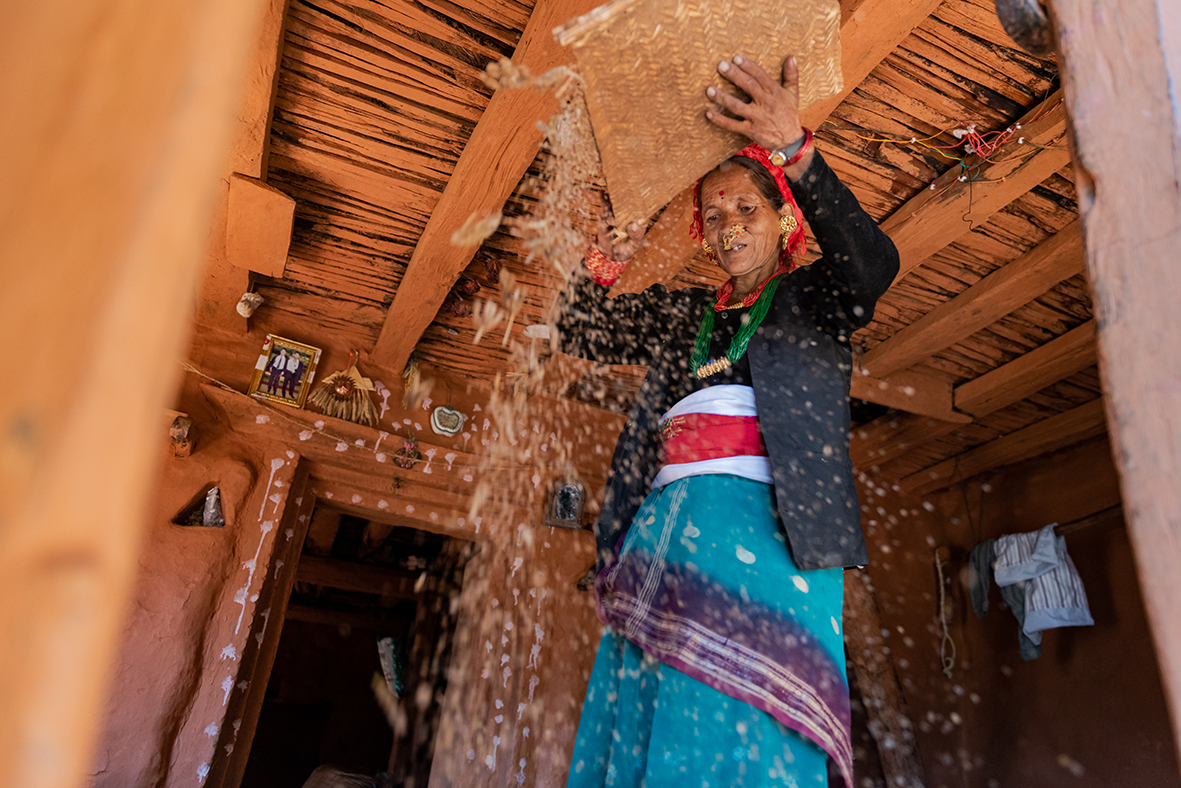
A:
(732, 670)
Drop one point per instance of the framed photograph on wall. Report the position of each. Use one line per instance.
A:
(285, 371)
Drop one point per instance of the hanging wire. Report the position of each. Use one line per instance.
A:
(947, 660)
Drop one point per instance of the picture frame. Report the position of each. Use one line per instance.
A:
(284, 371)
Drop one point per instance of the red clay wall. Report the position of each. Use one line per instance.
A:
(184, 602)
(1090, 711)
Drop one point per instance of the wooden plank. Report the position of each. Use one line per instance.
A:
(322, 531)
(359, 578)
(912, 392)
(885, 704)
(892, 436)
(1056, 432)
(382, 624)
(505, 142)
(1056, 259)
(1029, 374)
(1122, 73)
(269, 635)
(118, 117)
(950, 208)
(870, 30)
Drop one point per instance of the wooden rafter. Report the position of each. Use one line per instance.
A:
(913, 392)
(890, 437)
(1124, 76)
(1057, 359)
(1056, 432)
(1054, 260)
(504, 143)
(870, 30)
(951, 207)
(358, 577)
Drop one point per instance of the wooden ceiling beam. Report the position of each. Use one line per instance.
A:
(506, 140)
(892, 436)
(913, 392)
(383, 624)
(870, 30)
(1028, 374)
(1056, 432)
(937, 216)
(1056, 259)
(358, 578)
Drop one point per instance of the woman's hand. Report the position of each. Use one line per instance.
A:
(772, 116)
(615, 244)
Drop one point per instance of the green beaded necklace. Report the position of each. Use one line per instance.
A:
(750, 323)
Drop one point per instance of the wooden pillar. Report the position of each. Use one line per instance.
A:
(116, 123)
(1121, 68)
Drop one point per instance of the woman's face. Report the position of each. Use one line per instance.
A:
(739, 223)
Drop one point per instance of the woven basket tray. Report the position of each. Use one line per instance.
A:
(647, 63)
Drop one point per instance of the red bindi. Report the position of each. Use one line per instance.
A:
(722, 193)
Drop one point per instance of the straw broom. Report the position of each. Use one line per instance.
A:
(345, 395)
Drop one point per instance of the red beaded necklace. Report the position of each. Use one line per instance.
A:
(722, 297)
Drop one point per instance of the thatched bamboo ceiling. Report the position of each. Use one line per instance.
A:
(376, 101)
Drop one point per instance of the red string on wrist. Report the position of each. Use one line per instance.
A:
(800, 153)
(602, 269)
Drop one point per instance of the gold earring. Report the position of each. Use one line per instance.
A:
(787, 225)
(709, 250)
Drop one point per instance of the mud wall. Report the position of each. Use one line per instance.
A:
(1090, 711)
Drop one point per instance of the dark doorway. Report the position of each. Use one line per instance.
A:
(360, 584)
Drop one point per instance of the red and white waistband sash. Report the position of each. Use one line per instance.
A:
(714, 430)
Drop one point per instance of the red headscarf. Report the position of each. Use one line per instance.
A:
(790, 257)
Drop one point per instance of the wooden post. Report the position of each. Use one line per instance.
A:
(1121, 65)
(117, 118)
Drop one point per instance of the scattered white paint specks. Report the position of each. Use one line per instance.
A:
(211, 730)
(356, 498)
(290, 532)
(471, 755)
(499, 718)
(800, 583)
(342, 446)
(516, 565)
(835, 626)
(450, 458)
(261, 418)
(229, 652)
(306, 435)
(744, 555)
(290, 454)
(379, 457)
(202, 773)
(691, 532)
(319, 424)
(278, 566)
(383, 505)
(227, 686)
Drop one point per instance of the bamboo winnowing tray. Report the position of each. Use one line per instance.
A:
(646, 64)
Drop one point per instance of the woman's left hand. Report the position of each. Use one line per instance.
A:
(772, 116)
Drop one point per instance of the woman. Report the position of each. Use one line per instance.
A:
(731, 484)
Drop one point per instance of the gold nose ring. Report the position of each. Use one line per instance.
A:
(731, 235)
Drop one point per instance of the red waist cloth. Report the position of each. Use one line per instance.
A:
(707, 436)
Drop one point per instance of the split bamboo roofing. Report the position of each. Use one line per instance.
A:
(376, 102)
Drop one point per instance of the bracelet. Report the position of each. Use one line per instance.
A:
(602, 269)
(785, 157)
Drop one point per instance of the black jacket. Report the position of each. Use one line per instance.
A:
(800, 361)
